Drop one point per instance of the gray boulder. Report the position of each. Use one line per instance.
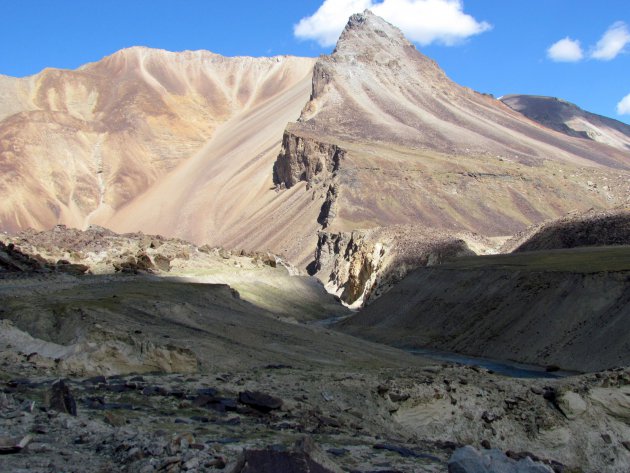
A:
(469, 460)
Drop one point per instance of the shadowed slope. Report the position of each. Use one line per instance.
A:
(556, 307)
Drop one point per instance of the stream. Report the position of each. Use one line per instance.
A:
(503, 368)
(511, 369)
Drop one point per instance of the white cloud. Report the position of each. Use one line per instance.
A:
(327, 23)
(422, 21)
(623, 107)
(612, 43)
(565, 50)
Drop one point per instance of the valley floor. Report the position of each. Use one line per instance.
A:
(160, 371)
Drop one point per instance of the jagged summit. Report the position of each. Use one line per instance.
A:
(365, 30)
(372, 58)
(377, 86)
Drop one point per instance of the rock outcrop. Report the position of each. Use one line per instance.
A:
(362, 265)
(304, 159)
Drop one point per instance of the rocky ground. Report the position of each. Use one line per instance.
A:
(386, 420)
(164, 373)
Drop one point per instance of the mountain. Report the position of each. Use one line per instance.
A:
(570, 119)
(76, 147)
(133, 351)
(197, 146)
(392, 142)
(411, 145)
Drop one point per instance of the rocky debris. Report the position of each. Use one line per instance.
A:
(304, 457)
(167, 430)
(469, 460)
(15, 260)
(267, 259)
(592, 228)
(61, 399)
(102, 251)
(260, 401)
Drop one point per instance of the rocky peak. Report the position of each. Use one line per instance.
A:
(372, 56)
(366, 32)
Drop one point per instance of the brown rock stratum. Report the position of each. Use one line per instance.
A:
(184, 145)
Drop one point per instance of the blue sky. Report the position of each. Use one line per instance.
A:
(502, 48)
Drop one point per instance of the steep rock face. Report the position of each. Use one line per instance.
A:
(362, 265)
(570, 119)
(303, 159)
(313, 162)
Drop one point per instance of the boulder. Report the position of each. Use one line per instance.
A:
(469, 460)
(260, 401)
(304, 457)
(61, 399)
(572, 405)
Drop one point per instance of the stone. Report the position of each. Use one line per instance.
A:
(304, 457)
(469, 460)
(260, 401)
(404, 451)
(96, 380)
(115, 420)
(572, 405)
(73, 269)
(489, 417)
(13, 446)
(61, 399)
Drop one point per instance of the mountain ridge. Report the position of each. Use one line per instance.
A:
(237, 151)
(566, 117)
